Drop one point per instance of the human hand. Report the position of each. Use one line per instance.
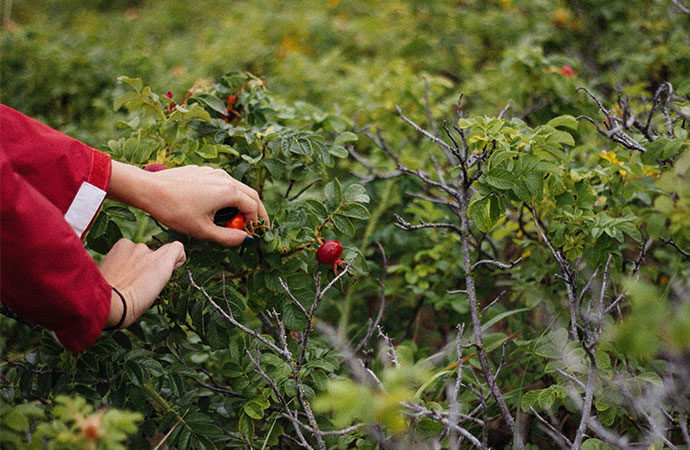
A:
(140, 274)
(186, 199)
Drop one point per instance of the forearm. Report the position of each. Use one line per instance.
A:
(132, 186)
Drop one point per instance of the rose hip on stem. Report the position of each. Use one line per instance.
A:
(329, 253)
(236, 222)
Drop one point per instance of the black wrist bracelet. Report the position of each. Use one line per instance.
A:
(124, 312)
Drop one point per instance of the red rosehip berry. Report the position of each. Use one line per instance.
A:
(329, 252)
(154, 167)
(236, 222)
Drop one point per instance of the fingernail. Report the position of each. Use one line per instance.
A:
(248, 241)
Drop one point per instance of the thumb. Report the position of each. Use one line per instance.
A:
(171, 255)
(228, 237)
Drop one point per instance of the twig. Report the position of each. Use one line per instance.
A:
(404, 225)
(587, 406)
(230, 317)
(555, 434)
(498, 264)
(504, 110)
(382, 305)
(453, 397)
(437, 417)
(303, 190)
(290, 416)
(681, 7)
(300, 388)
(438, 141)
(493, 302)
(341, 432)
(674, 245)
(567, 276)
(391, 349)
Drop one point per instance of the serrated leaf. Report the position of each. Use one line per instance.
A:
(343, 224)
(136, 83)
(479, 212)
(566, 121)
(546, 398)
(122, 212)
(208, 151)
(355, 193)
(212, 102)
(125, 99)
(317, 208)
(134, 372)
(338, 151)
(334, 192)
(293, 318)
(534, 181)
(355, 210)
(252, 160)
(254, 410)
(499, 178)
(529, 399)
(344, 137)
(561, 137)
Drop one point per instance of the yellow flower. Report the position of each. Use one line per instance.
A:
(610, 157)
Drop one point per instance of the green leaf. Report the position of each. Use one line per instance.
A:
(246, 425)
(134, 372)
(479, 212)
(561, 137)
(546, 398)
(252, 160)
(122, 212)
(254, 410)
(502, 316)
(355, 210)
(317, 208)
(136, 83)
(499, 178)
(656, 224)
(125, 100)
(338, 151)
(212, 102)
(586, 197)
(293, 318)
(566, 121)
(529, 399)
(534, 181)
(343, 224)
(334, 192)
(344, 137)
(355, 193)
(206, 429)
(208, 151)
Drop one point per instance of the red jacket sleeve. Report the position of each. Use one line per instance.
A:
(46, 275)
(71, 175)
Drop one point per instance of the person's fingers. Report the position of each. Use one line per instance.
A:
(246, 205)
(261, 211)
(172, 254)
(228, 237)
